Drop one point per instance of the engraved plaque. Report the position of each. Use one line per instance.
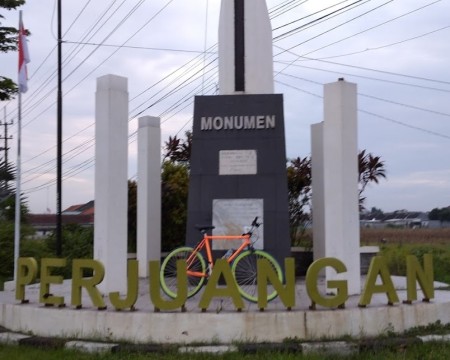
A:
(234, 217)
(237, 162)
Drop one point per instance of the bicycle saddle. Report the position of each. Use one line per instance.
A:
(204, 228)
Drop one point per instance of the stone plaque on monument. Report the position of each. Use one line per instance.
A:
(237, 162)
(234, 217)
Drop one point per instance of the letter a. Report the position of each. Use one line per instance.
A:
(378, 267)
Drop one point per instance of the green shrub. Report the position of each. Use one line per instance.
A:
(77, 243)
(7, 246)
(395, 256)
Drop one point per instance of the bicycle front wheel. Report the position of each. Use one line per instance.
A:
(244, 270)
(168, 273)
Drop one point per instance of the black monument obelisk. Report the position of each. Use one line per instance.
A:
(238, 159)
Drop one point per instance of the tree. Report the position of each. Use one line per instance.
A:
(7, 218)
(441, 214)
(8, 42)
(178, 150)
(174, 192)
(6, 176)
(376, 213)
(371, 169)
(78, 244)
(8, 195)
(299, 195)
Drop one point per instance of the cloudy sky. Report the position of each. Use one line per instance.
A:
(396, 51)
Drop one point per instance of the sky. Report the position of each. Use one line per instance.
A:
(396, 51)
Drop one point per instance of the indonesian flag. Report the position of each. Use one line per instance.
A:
(24, 59)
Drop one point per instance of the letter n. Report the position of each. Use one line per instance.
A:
(266, 272)
(221, 268)
(425, 277)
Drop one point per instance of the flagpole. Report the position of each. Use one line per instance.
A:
(18, 176)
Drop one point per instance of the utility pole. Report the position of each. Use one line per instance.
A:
(5, 137)
(59, 142)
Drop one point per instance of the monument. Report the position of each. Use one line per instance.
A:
(334, 158)
(148, 193)
(237, 166)
(111, 176)
(238, 160)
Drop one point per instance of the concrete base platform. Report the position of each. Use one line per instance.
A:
(221, 323)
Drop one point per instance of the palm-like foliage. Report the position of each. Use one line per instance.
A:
(178, 150)
(6, 176)
(299, 193)
(371, 170)
(7, 194)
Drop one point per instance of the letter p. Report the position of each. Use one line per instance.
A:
(27, 269)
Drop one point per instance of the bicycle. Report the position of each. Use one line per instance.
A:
(243, 262)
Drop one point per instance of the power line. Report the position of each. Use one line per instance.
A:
(89, 143)
(385, 22)
(101, 63)
(139, 47)
(368, 78)
(370, 69)
(85, 164)
(405, 105)
(319, 20)
(430, 132)
(288, 7)
(376, 98)
(386, 45)
(373, 27)
(189, 65)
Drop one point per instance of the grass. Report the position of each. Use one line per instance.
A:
(405, 236)
(434, 351)
(396, 244)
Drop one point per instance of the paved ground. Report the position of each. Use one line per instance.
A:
(223, 306)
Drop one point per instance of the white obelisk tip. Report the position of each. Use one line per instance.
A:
(245, 49)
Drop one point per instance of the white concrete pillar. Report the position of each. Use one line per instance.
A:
(111, 180)
(335, 202)
(258, 48)
(149, 193)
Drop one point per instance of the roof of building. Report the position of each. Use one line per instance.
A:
(85, 209)
(50, 219)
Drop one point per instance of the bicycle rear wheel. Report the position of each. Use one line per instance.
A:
(244, 269)
(168, 272)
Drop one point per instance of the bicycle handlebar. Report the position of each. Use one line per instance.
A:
(255, 222)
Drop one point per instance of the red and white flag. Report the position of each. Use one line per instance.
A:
(24, 58)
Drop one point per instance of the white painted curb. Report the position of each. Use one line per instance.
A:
(10, 338)
(89, 347)
(218, 349)
(435, 338)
